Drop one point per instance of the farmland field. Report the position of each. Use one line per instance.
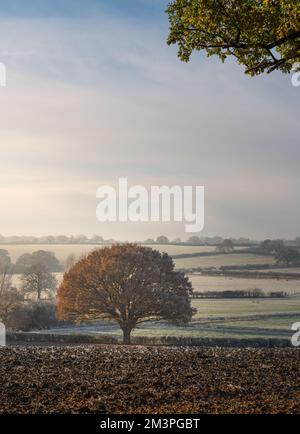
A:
(226, 259)
(215, 318)
(60, 250)
(223, 283)
(267, 318)
(107, 379)
(63, 250)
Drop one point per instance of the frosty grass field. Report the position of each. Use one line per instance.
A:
(264, 318)
(214, 318)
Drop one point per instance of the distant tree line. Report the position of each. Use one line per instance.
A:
(97, 239)
(202, 241)
(44, 259)
(250, 293)
(54, 239)
(227, 244)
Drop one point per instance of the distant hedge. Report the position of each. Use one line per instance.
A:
(45, 338)
(20, 338)
(215, 342)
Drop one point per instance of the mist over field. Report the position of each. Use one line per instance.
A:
(109, 98)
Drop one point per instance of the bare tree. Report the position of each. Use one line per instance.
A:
(10, 297)
(37, 279)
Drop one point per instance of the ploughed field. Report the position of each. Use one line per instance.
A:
(117, 379)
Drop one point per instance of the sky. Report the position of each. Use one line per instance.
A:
(93, 93)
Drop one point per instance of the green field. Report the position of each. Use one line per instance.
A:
(215, 318)
(235, 318)
(226, 259)
(223, 283)
(266, 318)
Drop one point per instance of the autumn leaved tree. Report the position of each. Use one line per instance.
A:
(128, 284)
(263, 35)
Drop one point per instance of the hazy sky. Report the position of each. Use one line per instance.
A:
(94, 93)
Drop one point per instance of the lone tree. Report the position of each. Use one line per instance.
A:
(37, 279)
(162, 240)
(263, 35)
(271, 246)
(287, 255)
(127, 284)
(227, 246)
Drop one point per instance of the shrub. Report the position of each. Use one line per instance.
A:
(36, 315)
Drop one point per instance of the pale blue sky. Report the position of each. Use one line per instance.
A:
(94, 93)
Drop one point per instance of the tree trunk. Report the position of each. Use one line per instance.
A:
(126, 336)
